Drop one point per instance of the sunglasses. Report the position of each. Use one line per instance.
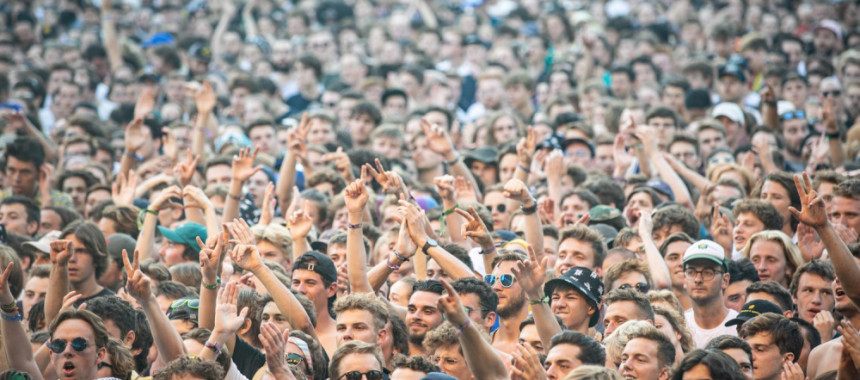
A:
(640, 287)
(506, 279)
(192, 303)
(792, 115)
(501, 207)
(355, 375)
(718, 160)
(831, 92)
(104, 364)
(294, 359)
(58, 346)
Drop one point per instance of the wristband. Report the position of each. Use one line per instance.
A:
(390, 265)
(539, 301)
(12, 318)
(442, 219)
(214, 346)
(353, 226)
(215, 285)
(463, 326)
(10, 307)
(400, 257)
(235, 197)
(488, 251)
(834, 136)
(769, 103)
(524, 168)
(456, 159)
(137, 157)
(531, 209)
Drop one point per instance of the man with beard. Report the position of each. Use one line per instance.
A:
(423, 314)
(512, 301)
(794, 130)
(706, 276)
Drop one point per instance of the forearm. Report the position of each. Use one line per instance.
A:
(679, 189)
(356, 257)
(697, 180)
(286, 180)
(208, 302)
(126, 164)
(659, 271)
(231, 204)
(847, 269)
(146, 238)
(644, 162)
(250, 24)
(453, 223)
(450, 264)
(545, 322)
(534, 232)
(481, 357)
(420, 262)
(837, 152)
(219, 338)
(459, 169)
(285, 300)
(20, 357)
(111, 43)
(50, 148)
(212, 226)
(769, 116)
(195, 214)
(300, 246)
(165, 337)
(58, 287)
(377, 276)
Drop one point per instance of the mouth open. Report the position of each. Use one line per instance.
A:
(68, 369)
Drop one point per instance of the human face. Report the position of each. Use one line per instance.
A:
(81, 266)
(21, 176)
(574, 253)
(271, 313)
(639, 203)
(617, 313)
(321, 132)
(497, 204)
(747, 225)
(399, 293)
(310, 284)
(699, 372)
(767, 361)
(486, 171)
(511, 299)
(778, 196)
(630, 278)
(639, 361)
(472, 303)
(686, 153)
(504, 129)
(93, 198)
(451, 361)
(71, 364)
(359, 362)
(743, 359)
(507, 167)
(703, 291)
(337, 254)
(264, 138)
(356, 324)
(360, 127)
(814, 294)
(674, 254)
(172, 253)
(664, 127)
(529, 336)
(794, 131)
(730, 88)
(846, 211)
(14, 217)
(388, 147)
(770, 262)
(571, 306)
(736, 294)
(573, 208)
(219, 175)
(422, 315)
(710, 139)
(49, 221)
(661, 234)
(271, 252)
(34, 291)
(561, 360)
(662, 324)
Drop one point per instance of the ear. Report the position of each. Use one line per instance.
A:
(128, 340)
(490, 319)
(332, 289)
(664, 374)
(788, 357)
(599, 271)
(381, 337)
(32, 227)
(100, 355)
(246, 325)
(726, 278)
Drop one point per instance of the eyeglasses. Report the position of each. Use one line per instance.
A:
(721, 160)
(791, 115)
(58, 346)
(501, 207)
(831, 92)
(104, 364)
(294, 359)
(640, 287)
(506, 279)
(707, 274)
(192, 303)
(355, 375)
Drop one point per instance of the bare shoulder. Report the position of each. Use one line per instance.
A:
(824, 358)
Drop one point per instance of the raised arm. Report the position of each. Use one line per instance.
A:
(518, 191)
(659, 271)
(836, 151)
(58, 282)
(417, 232)
(210, 265)
(679, 189)
(228, 320)
(228, 9)
(20, 358)
(275, 345)
(196, 200)
(439, 141)
(300, 224)
(403, 249)
(814, 214)
(769, 115)
(531, 274)
(248, 19)
(451, 220)
(480, 356)
(287, 175)
(479, 233)
(146, 239)
(111, 42)
(356, 196)
(243, 168)
(205, 100)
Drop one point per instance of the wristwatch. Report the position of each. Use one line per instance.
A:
(429, 244)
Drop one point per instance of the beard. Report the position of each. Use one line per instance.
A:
(282, 67)
(513, 307)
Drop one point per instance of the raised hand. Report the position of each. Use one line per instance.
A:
(404, 245)
(169, 145)
(438, 140)
(195, 197)
(246, 256)
(164, 197)
(211, 258)
(518, 191)
(451, 306)
(61, 252)
(463, 191)
(69, 300)
(390, 181)
(721, 228)
(810, 245)
(145, 103)
(138, 285)
(123, 189)
(275, 344)
(828, 116)
(356, 195)
(269, 204)
(530, 274)
(205, 99)
(546, 211)
(243, 164)
(341, 163)
(414, 218)
(554, 167)
(526, 364)
(474, 227)
(227, 319)
(850, 342)
(240, 231)
(6, 294)
(791, 371)
(445, 187)
(134, 137)
(526, 147)
(186, 169)
(303, 128)
(825, 324)
(46, 176)
(300, 223)
(813, 212)
(767, 95)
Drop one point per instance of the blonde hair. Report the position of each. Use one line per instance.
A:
(275, 234)
(615, 343)
(666, 296)
(593, 372)
(679, 325)
(793, 257)
(715, 172)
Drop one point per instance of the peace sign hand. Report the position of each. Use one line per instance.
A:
(813, 212)
(138, 285)
(474, 227)
(210, 258)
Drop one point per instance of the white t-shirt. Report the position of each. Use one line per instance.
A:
(702, 336)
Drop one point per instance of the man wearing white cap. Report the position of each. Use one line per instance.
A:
(706, 278)
(732, 117)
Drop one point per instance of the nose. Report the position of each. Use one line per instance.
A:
(816, 298)
(760, 266)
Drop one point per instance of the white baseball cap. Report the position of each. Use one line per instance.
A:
(729, 110)
(706, 249)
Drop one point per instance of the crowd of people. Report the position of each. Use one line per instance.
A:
(430, 189)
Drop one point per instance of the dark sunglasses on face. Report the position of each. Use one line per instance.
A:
(58, 346)
(640, 287)
(294, 359)
(501, 207)
(506, 279)
(792, 115)
(831, 92)
(355, 375)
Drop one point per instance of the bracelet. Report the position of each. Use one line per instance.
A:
(445, 213)
(769, 103)
(524, 168)
(835, 136)
(451, 210)
(214, 346)
(137, 157)
(531, 209)
(235, 197)
(539, 301)
(353, 226)
(390, 265)
(463, 326)
(215, 285)
(456, 159)
(10, 307)
(488, 251)
(400, 257)
(149, 211)
(12, 318)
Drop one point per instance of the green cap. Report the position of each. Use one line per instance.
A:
(186, 234)
(602, 213)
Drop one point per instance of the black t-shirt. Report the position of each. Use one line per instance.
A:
(247, 358)
(104, 293)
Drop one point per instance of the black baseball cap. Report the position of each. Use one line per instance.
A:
(753, 309)
(584, 281)
(317, 262)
